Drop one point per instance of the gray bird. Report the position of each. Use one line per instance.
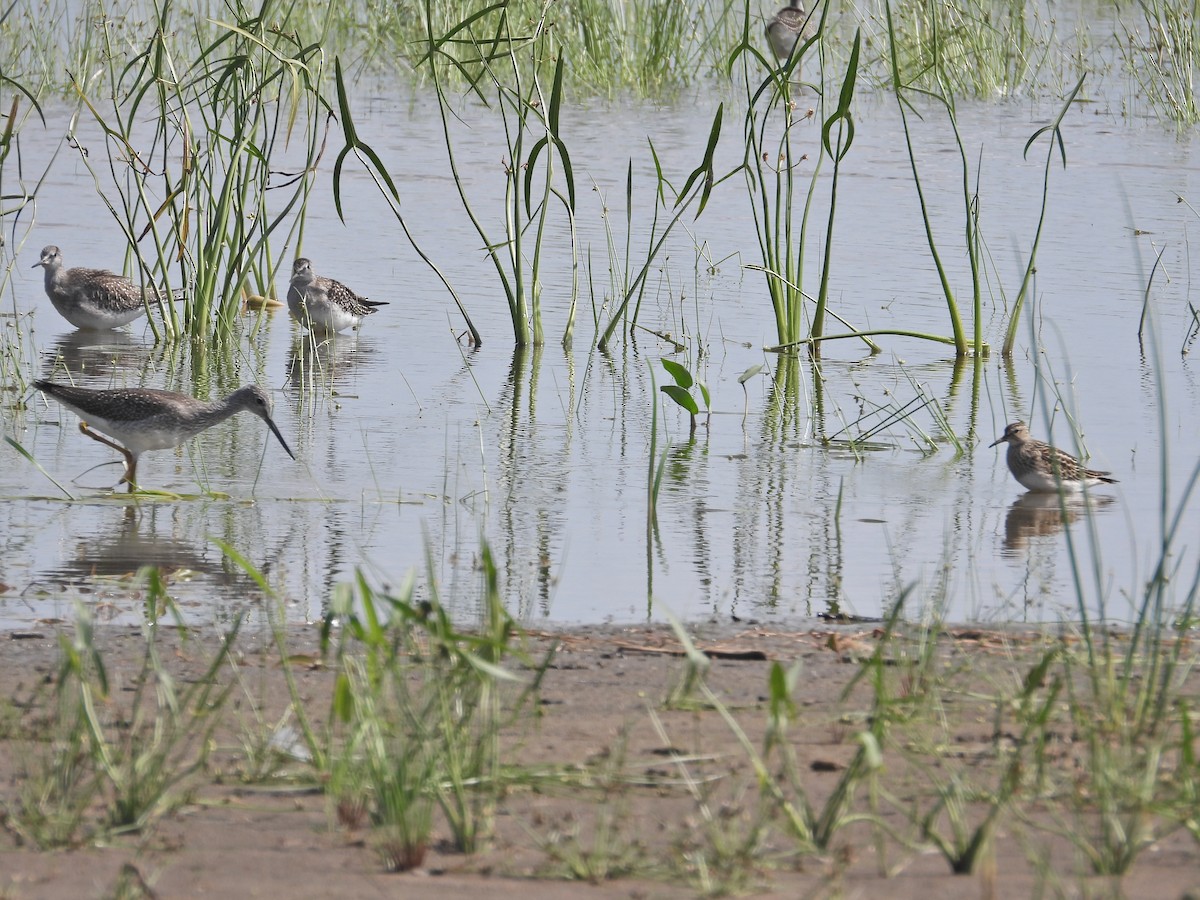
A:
(146, 419)
(93, 298)
(324, 305)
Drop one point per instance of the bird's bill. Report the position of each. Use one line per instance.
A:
(278, 434)
(999, 440)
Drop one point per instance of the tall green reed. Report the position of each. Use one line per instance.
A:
(538, 200)
(501, 60)
(354, 145)
(635, 269)
(774, 154)
(17, 353)
(1054, 130)
(204, 182)
(962, 345)
(942, 93)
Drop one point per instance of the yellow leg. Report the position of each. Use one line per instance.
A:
(130, 462)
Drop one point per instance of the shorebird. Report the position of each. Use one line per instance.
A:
(1040, 467)
(789, 26)
(145, 419)
(324, 305)
(93, 298)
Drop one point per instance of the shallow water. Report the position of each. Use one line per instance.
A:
(408, 441)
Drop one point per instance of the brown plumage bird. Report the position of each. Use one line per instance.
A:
(322, 304)
(1040, 467)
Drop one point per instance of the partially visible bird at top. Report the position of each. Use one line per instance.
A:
(323, 305)
(94, 298)
(789, 26)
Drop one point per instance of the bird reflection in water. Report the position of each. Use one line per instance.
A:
(1035, 515)
(96, 353)
(318, 363)
(109, 555)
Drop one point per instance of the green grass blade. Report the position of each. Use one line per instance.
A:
(25, 453)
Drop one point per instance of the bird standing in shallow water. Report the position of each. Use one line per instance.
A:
(788, 27)
(145, 419)
(324, 305)
(1040, 467)
(93, 298)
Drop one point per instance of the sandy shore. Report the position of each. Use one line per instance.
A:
(665, 798)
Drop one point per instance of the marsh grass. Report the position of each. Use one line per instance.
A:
(646, 48)
(720, 851)
(942, 93)
(500, 57)
(528, 104)
(193, 145)
(977, 48)
(413, 745)
(776, 151)
(771, 166)
(862, 434)
(416, 716)
(601, 845)
(1053, 132)
(104, 767)
(17, 352)
(1161, 54)
(722, 846)
(944, 97)
(685, 692)
(53, 806)
(639, 47)
(963, 820)
(36, 55)
(1125, 686)
(778, 775)
(670, 205)
(147, 759)
(149, 769)
(1128, 707)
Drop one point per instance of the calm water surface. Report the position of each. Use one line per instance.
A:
(410, 442)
